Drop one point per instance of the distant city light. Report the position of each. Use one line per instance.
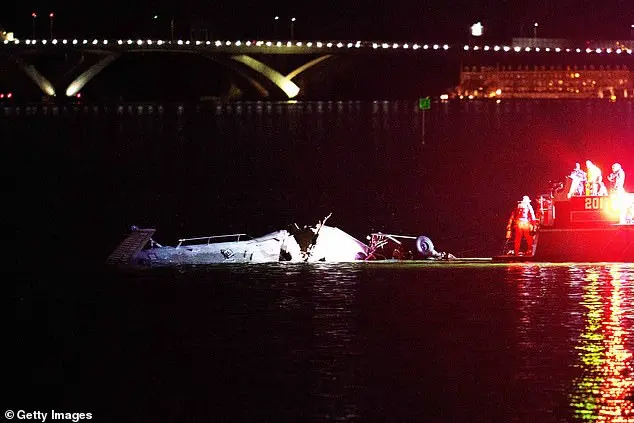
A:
(477, 29)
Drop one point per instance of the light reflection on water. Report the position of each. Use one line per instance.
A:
(575, 334)
(604, 391)
(430, 342)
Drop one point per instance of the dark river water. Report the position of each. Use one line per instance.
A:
(290, 342)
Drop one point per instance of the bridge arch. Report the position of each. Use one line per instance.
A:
(259, 72)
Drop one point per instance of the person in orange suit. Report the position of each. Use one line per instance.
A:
(521, 221)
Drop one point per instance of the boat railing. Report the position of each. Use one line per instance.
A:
(213, 238)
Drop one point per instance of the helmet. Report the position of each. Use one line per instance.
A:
(526, 199)
(616, 167)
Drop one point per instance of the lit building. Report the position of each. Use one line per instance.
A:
(610, 82)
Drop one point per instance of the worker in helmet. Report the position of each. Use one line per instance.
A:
(578, 184)
(594, 177)
(522, 222)
(617, 179)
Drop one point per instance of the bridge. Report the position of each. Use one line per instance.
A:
(255, 60)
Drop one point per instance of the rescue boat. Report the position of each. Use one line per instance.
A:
(580, 228)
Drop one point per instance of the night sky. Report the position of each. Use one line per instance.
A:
(433, 20)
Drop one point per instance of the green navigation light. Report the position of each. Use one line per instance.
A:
(424, 103)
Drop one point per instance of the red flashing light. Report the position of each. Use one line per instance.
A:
(78, 95)
(1, 95)
(51, 15)
(34, 15)
(9, 95)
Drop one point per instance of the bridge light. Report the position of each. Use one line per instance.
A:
(416, 47)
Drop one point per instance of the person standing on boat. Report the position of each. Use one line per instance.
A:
(617, 179)
(602, 189)
(522, 220)
(579, 178)
(594, 178)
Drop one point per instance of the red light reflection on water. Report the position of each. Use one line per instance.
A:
(605, 390)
